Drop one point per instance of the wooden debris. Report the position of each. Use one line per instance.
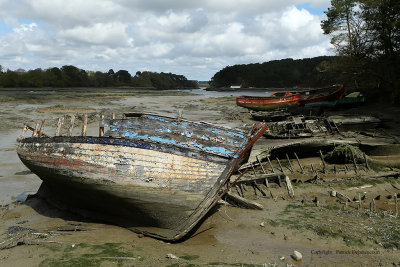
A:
(289, 186)
(71, 127)
(59, 125)
(372, 205)
(35, 131)
(339, 194)
(298, 161)
(84, 125)
(242, 202)
(259, 189)
(290, 164)
(41, 128)
(266, 179)
(280, 166)
(270, 164)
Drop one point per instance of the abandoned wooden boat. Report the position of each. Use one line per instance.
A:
(270, 116)
(351, 100)
(354, 122)
(330, 93)
(300, 127)
(276, 100)
(155, 175)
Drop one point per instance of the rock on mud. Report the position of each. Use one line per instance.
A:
(297, 256)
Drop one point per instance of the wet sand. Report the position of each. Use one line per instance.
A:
(34, 233)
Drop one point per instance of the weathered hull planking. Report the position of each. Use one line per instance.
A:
(160, 184)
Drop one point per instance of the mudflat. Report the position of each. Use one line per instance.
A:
(326, 232)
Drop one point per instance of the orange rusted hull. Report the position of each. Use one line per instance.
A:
(266, 103)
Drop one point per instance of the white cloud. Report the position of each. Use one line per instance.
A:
(193, 38)
(107, 34)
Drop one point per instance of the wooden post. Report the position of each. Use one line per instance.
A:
(35, 131)
(113, 116)
(289, 186)
(71, 127)
(41, 129)
(298, 161)
(266, 179)
(59, 124)
(280, 164)
(372, 205)
(334, 169)
(323, 162)
(84, 125)
(290, 164)
(101, 129)
(396, 208)
(270, 164)
(359, 201)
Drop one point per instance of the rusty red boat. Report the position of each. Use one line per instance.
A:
(330, 93)
(153, 174)
(262, 103)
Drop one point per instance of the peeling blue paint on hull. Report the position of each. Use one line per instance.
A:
(141, 181)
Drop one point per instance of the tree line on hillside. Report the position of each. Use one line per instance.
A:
(365, 35)
(71, 76)
(309, 72)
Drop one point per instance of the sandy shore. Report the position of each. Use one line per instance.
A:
(34, 233)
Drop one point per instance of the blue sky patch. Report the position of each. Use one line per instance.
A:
(313, 10)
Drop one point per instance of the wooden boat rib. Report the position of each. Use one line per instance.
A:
(269, 102)
(155, 175)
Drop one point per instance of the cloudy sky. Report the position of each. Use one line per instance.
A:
(189, 37)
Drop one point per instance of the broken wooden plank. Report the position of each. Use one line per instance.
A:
(270, 164)
(298, 161)
(84, 125)
(290, 164)
(259, 188)
(242, 202)
(280, 166)
(59, 125)
(289, 186)
(71, 127)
